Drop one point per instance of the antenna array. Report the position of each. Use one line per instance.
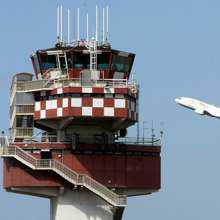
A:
(79, 39)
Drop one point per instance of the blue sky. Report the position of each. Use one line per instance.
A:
(177, 46)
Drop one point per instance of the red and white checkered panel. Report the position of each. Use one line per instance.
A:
(86, 106)
(94, 90)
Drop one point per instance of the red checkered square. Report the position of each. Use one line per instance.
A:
(87, 102)
(98, 112)
(108, 102)
(77, 111)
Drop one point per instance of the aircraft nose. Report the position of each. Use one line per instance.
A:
(177, 100)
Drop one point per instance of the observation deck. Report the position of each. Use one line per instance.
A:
(127, 165)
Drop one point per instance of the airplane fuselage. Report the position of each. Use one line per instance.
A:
(199, 107)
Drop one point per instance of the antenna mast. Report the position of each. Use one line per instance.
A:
(87, 27)
(58, 24)
(61, 23)
(78, 38)
(107, 24)
(97, 24)
(68, 26)
(103, 25)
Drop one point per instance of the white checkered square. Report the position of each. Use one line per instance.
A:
(86, 90)
(76, 102)
(60, 112)
(87, 111)
(60, 91)
(98, 102)
(109, 111)
(37, 106)
(119, 103)
(65, 103)
(43, 114)
(51, 104)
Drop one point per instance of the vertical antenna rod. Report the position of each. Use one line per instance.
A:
(61, 23)
(68, 26)
(58, 23)
(97, 24)
(107, 23)
(87, 27)
(103, 25)
(78, 24)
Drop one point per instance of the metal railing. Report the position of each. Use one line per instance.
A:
(22, 132)
(64, 171)
(99, 139)
(89, 82)
(48, 139)
(35, 85)
(90, 183)
(18, 152)
(139, 141)
(38, 85)
(24, 109)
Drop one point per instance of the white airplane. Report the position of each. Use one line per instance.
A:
(199, 107)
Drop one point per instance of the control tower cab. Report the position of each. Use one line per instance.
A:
(85, 84)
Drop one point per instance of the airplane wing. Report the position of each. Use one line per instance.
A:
(213, 111)
(199, 111)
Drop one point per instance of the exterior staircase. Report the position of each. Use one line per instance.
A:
(68, 174)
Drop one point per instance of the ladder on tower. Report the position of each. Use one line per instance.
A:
(93, 55)
(64, 171)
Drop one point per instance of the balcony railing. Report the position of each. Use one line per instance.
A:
(139, 141)
(98, 140)
(38, 85)
(24, 109)
(96, 83)
(22, 132)
(35, 85)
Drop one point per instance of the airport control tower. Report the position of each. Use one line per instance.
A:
(68, 130)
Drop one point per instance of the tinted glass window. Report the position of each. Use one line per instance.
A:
(24, 121)
(121, 64)
(81, 61)
(103, 61)
(49, 61)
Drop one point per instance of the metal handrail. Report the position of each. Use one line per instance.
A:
(24, 109)
(37, 85)
(139, 141)
(89, 182)
(32, 85)
(93, 139)
(22, 132)
(65, 172)
(114, 83)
